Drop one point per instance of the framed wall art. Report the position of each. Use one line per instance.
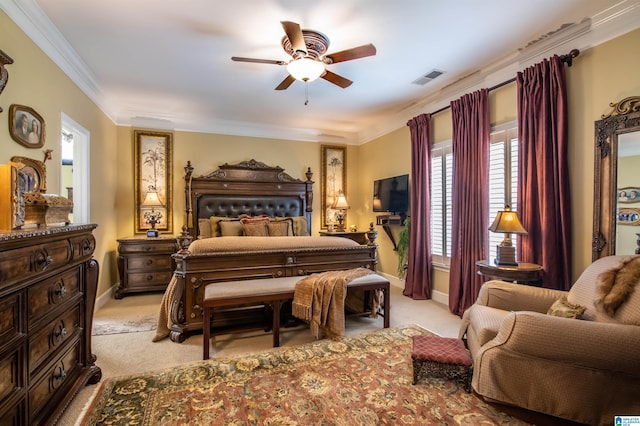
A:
(334, 180)
(153, 181)
(629, 195)
(26, 126)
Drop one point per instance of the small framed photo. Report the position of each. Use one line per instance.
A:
(629, 195)
(26, 126)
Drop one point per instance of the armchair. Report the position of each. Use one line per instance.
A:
(586, 370)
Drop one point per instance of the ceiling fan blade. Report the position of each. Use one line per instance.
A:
(337, 79)
(286, 83)
(351, 54)
(258, 61)
(294, 33)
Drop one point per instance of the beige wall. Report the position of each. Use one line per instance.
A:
(35, 81)
(606, 73)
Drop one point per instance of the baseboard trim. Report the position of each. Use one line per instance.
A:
(436, 296)
(105, 297)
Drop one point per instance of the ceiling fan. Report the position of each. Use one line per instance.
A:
(309, 58)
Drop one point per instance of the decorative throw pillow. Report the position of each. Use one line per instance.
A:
(255, 229)
(204, 228)
(245, 218)
(214, 221)
(230, 228)
(280, 228)
(300, 226)
(565, 309)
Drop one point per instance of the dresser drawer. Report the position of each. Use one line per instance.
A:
(53, 336)
(13, 377)
(51, 293)
(13, 415)
(144, 278)
(24, 263)
(142, 246)
(149, 263)
(10, 324)
(60, 374)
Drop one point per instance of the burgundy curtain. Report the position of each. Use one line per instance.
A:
(544, 202)
(418, 278)
(471, 138)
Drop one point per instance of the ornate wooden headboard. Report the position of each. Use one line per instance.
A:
(249, 187)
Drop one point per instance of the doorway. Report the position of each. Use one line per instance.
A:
(74, 176)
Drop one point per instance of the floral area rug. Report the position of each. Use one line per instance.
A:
(363, 380)
(143, 322)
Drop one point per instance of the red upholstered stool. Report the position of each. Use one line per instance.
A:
(437, 356)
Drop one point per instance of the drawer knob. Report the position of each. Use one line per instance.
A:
(148, 262)
(61, 291)
(62, 333)
(60, 374)
(149, 277)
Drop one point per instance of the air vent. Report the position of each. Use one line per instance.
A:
(428, 77)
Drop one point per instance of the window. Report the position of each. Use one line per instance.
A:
(503, 179)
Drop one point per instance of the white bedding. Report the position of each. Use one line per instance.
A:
(234, 244)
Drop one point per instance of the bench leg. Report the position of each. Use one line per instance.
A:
(387, 306)
(206, 332)
(276, 323)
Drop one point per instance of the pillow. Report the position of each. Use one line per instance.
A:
(204, 228)
(230, 228)
(245, 218)
(565, 309)
(255, 229)
(280, 228)
(214, 221)
(300, 227)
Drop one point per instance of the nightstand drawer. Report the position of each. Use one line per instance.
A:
(147, 263)
(141, 246)
(145, 278)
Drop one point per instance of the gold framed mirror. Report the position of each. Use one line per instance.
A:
(32, 173)
(617, 146)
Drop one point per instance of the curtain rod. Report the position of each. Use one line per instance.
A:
(567, 59)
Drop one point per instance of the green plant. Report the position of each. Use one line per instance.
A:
(403, 249)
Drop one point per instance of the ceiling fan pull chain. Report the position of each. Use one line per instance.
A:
(306, 93)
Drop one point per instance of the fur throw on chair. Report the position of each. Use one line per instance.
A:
(616, 285)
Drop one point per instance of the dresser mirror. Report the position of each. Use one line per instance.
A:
(616, 180)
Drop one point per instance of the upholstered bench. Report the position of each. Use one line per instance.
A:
(435, 356)
(273, 291)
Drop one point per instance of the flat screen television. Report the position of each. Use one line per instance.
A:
(391, 195)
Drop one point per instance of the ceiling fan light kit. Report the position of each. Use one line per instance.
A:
(305, 69)
(309, 59)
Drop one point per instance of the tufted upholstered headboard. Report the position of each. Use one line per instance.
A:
(249, 187)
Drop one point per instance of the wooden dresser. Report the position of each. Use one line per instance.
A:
(145, 264)
(48, 284)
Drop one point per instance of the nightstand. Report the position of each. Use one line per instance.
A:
(358, 237)
(524, 273)
(145, 264)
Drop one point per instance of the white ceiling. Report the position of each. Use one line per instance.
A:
(166, 64)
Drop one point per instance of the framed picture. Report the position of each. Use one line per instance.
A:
(153, 181)
(334, 180)
(26, 126)
(629, 195)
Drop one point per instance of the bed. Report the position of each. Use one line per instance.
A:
(244, 191)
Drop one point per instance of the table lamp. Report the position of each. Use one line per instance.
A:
(341, 205)
(507, 221)
(152, 217)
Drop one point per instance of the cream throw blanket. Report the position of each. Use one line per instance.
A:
(319, 299)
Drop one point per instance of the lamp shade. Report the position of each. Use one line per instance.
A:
(507, 221)
(152, 200)
(305, 69)
(340, 202)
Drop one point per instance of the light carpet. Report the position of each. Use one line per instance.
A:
(361, 380)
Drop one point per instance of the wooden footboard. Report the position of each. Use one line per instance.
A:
(195, 271)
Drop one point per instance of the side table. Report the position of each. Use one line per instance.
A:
(145, 264)
(524, 273)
